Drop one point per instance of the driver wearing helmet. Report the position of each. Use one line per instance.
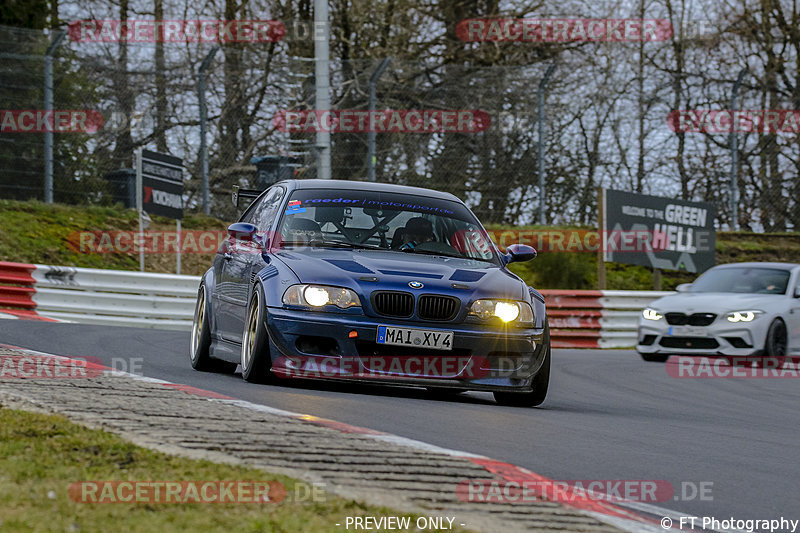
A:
(417, 231)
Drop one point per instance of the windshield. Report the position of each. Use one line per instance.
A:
(743, 280)
(386, 221)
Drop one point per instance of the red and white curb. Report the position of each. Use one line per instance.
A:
(15, 314)
(626, 515)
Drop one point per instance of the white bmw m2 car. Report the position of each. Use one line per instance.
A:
(732, 310)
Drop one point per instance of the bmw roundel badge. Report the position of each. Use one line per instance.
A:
(415, 284)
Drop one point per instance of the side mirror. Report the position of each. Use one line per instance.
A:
(683, 287)
(797, 291)
(520, 252)
(242, 231)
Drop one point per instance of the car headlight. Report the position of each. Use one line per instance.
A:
(318, 296)
(652, 314)
(743, 316)
(505, 310)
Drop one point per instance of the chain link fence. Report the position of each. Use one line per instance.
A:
(598, 132)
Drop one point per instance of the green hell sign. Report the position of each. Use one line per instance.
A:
(657, 232)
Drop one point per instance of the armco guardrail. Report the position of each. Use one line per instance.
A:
(96, 296)
(578, 319)
(596, 319)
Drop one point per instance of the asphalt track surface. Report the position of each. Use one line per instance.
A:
(609, 416)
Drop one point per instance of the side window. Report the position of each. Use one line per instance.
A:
(263, 214)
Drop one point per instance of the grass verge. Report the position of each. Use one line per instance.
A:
(41, 455)
(35, 232)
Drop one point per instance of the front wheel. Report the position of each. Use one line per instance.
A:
(540, 384)
(255, 341)
(774, 346)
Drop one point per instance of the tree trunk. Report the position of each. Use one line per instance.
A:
(232, 114)
(161, 86)
(122, 155)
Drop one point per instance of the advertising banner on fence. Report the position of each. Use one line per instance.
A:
(680, 234)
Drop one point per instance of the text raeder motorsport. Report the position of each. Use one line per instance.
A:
(680, 235)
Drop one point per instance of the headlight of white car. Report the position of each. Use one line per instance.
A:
(506, 311)
(652, 314)
(318, 296)
(743, 316)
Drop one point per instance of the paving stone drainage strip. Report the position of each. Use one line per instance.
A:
(348, 461)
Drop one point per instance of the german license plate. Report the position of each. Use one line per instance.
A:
(688, 331)
(418, 338)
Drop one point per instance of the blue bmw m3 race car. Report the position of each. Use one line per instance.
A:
(378, 283)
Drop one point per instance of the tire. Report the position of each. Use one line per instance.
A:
(256, 362)
(540, 384)
(775, 346)
(200, 342)
(654, 357)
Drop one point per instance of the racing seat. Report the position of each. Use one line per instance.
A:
(397, 238)
(459, 241)
(464, 241)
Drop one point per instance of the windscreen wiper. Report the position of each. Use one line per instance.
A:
(443, 254)
(429, 252)
(344, 244)
(330, 244)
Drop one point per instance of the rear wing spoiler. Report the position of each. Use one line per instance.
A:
(237, 192)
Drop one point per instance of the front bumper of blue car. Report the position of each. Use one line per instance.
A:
(343, 346)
